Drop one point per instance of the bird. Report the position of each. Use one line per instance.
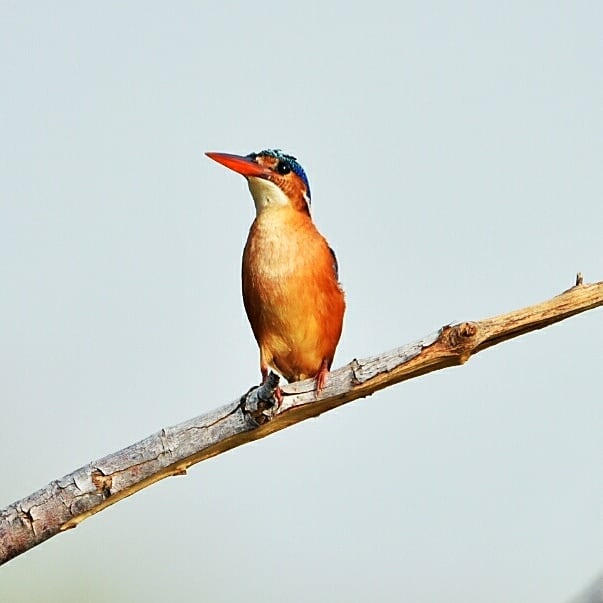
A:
(290, 276)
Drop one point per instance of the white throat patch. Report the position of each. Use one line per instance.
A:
(266, 194)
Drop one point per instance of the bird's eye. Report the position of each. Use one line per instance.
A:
(282, 168)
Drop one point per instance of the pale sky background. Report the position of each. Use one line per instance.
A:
(454, 152)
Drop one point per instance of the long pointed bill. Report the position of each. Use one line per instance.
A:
(239, 164)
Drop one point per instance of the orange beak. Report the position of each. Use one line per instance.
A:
(242, 165)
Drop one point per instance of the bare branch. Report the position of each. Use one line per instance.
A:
(64, 503)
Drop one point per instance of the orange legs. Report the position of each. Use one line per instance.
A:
(321, 377)
(320, 380)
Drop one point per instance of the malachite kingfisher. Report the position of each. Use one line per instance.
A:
(291, 289)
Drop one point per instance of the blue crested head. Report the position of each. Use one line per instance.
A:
(288, 161)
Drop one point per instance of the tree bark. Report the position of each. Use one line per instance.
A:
(66, 502)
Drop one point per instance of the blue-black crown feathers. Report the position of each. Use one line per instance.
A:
(289, 160)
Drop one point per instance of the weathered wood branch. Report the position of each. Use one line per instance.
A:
(65, 502)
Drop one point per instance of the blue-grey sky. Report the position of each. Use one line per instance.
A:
(454, 152)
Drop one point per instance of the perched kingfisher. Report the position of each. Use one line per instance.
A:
(291, 289)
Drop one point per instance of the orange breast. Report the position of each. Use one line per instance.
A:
(291, 294)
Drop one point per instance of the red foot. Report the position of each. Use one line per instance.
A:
(321, 377)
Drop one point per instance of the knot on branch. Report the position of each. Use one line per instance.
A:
(102, 482)
(260, 403)
(460, 339)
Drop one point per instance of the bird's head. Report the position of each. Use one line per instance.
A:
(275, 180)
